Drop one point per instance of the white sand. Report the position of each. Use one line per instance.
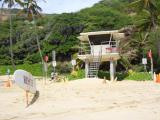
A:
(86, 99)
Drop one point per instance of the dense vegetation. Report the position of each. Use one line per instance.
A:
(55, 30)
(59, 32)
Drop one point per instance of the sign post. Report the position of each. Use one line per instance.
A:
(45, 69)
(54, 64)
(144, 62)
(73, 64)
(46, 58)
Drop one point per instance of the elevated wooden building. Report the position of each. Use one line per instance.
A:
(97, 47)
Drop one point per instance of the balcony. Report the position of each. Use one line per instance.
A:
(107, 51)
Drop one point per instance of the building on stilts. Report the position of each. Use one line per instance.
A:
(97, 47)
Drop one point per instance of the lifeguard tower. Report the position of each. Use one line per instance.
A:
(97, 47)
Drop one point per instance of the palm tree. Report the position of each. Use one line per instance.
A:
(150, 23)
(10, 4)
(32, 10)
(149, 6)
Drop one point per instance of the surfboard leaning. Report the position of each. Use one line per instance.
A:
(25, 80)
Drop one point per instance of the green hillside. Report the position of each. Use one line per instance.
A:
(59, 32)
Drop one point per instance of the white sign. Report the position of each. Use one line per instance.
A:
(144, 61)
(25, 80)
(54, 63)
(73, 62)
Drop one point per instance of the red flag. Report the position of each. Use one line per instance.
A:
(150, 54)
(46, 58)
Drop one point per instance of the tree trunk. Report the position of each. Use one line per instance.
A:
(153, 20)
(10, 40)
(38, 43)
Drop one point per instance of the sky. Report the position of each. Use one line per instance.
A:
(64, 6)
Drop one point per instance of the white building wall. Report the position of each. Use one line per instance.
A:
(101, 49)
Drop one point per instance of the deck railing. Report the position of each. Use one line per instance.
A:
(111, 46)
(106, 47)
(84, 49)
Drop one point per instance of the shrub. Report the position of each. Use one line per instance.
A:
(31, 59)
(138, 68)
(76, 75)
(139, 76)
(64, 67)
(106, 74)
(131, 75)
(102, 74)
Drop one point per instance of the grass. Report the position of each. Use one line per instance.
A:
(34, 69)
(80, 74)
(137, 76)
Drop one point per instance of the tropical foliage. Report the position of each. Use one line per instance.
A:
(59, 31)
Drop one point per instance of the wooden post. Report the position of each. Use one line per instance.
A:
(154, 77)
(45, 69)
(104, 80)
(112, 70)
(73, 68)
(86, 68)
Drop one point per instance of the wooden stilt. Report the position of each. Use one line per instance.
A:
(104, 80)
(112, 70)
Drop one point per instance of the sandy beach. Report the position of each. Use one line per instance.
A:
(85, 99)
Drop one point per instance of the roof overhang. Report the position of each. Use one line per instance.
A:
(99, 32)
(117, 35)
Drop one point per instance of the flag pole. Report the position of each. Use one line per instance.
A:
(152, 67)
(151, 58)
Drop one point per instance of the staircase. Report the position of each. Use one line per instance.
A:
(94, 65)
(93, 68)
